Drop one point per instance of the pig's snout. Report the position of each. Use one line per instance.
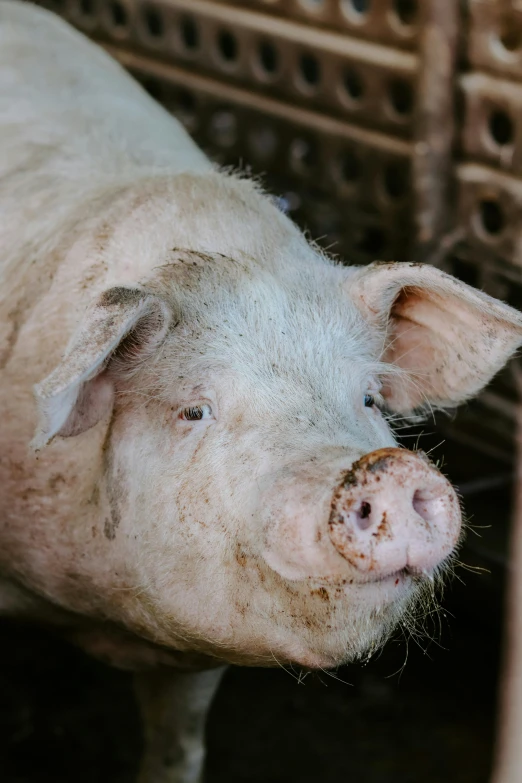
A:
(392, 511)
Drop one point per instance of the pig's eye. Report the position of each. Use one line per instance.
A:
(369, 401)
(196, 412)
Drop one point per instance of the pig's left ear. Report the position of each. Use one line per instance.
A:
(119, 329)
(449, 338)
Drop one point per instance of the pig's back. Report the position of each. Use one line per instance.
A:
(74, 129)
(63, 100)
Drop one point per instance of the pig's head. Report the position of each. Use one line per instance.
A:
(251, 485)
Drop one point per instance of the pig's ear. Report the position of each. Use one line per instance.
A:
(450, 338)
(124, 325)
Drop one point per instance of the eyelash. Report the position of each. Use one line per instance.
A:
(196, 413)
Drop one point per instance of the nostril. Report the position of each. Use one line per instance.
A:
(365, 510)
(419, 504)
(427, 505)
(363, 515)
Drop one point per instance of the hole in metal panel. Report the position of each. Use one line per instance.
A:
(360, 7)
(186, 100)
(118, 14)
(372, 240)
(465, 271)
(353, 84)
(223, 128)
(263, 142)
(87, 7)
(154, 87)
(491, 217)
(227, 44)
(395, 180)
(406, 11)
(303, 154)
(501, 127)
(268, 57)
(184, 105)
(310, 69)
(514, 295)
(349, 167)
(189, 33)
(510, 35)
(154, 22)
(401, 96)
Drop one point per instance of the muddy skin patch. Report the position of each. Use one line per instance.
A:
(384, 529)
(114, 488)
(94, 499)
(241, 557)
(115, 495)
(11, 339)
(322, 593)
(375, 462)
(120, 296)
(56, 480)
(191, 257)
(109, 528)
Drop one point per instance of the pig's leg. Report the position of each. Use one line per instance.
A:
(508, 766)
(174, 706)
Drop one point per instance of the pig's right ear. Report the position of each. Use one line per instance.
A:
(126, 324)
(448, 338)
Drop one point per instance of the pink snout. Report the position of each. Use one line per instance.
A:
(394, 511)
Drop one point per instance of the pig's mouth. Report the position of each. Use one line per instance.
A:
(406, 574)
(401, 575)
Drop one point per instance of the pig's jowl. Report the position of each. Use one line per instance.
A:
(197, 462)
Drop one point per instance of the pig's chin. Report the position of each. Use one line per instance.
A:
(323, 626)
(361, 620)
(315, 623)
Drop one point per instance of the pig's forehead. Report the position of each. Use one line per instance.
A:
(298, 309)
(269, 329)
(237, 290)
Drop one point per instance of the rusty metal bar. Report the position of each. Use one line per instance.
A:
(394, 22)
(240, 18)
(294, 114)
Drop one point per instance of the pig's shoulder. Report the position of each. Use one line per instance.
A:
(118, 647)
(105, 640)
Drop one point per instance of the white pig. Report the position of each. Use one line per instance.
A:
(196, 468)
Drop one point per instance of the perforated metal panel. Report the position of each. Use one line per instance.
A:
(489, 176)
(338, 125)
(394, 22)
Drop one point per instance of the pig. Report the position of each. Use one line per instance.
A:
(198, 464)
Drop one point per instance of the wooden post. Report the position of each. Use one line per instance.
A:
(435, 125)
(508, 757)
